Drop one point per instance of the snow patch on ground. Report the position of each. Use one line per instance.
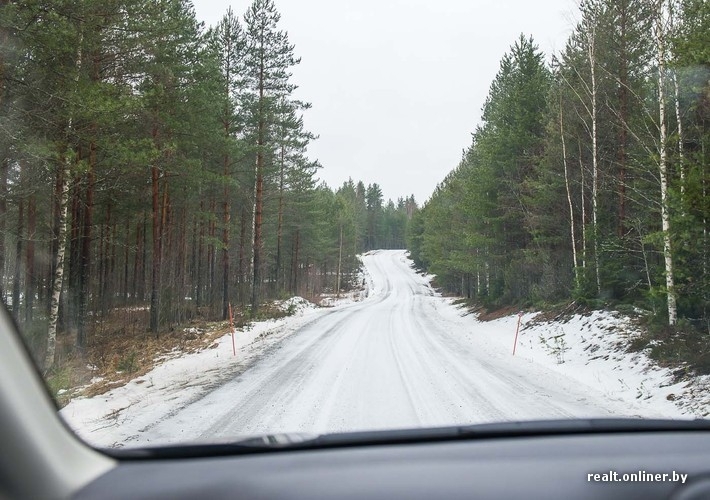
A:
(294, 305)
(695, 397)
(591, 349)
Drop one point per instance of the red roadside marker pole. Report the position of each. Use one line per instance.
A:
(231, 325)
(517, 330)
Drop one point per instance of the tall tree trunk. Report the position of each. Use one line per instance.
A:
(340, 260)
(296, 246)
(706, 264)
(112, 280)
(30, 277)
(126, 259)
(62, 197)
(258, 195)
(243, 244)
(16, 284)
(137, 265)
(85, 266)
(4, 170)
(194, 267)
(663, 164)
(88, 220)
(156, 254)
(4, 35)
(679, 124)
(54, 234)
(165, 241)
(583, 205)
(279, 229)
(623, 112)
(104, 260)
(4, 162)
(569, 201)
(678, 116)
(181, 267)
(199, 285)
(71, 299)
(258, 220)
(58, 275)
(591, 50)
(227, 122)
(225, 237)
(212, 256)
(144, 257)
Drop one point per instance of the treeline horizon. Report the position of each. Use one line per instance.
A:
(148, 161)
(588, 178)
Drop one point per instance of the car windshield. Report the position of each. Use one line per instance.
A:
(227, 219)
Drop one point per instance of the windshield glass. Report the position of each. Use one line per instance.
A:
(226, 219)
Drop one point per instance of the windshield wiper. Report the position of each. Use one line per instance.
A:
(498, 430)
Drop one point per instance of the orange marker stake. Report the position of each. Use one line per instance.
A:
(517, 329)
(231, 324)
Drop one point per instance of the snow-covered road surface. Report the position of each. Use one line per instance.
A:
(403, 357)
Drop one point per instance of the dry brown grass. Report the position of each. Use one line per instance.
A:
(120, 349)
(490, 315)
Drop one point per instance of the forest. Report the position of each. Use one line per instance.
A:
(152, 164)
(588, 178)
(155, 171)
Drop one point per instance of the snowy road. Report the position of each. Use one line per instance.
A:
(401, 358)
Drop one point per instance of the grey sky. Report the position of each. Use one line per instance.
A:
(397, 85)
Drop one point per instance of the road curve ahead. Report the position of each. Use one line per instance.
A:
(401, 358)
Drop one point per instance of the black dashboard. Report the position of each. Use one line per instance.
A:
(543, 466)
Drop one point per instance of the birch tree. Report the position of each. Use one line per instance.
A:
(65, 160)
(590, 11)
(660, 28)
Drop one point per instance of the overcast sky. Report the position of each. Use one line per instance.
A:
(397, 86)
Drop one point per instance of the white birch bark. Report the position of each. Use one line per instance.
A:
(663, 164)
(569, 201)
(58, 277)
(679, 120)
(591, 53)
(584, 209)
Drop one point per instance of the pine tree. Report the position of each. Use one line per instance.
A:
(231, 45)
(269, 57)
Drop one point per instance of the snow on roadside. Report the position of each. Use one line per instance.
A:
(294, 305)
(114, 417)
(588, 349)
(591, 350)
(362, 288)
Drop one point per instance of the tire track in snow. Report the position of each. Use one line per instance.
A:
(393, 360)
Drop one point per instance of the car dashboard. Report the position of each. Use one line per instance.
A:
(538, 465)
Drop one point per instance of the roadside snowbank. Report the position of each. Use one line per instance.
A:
(591, 349)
